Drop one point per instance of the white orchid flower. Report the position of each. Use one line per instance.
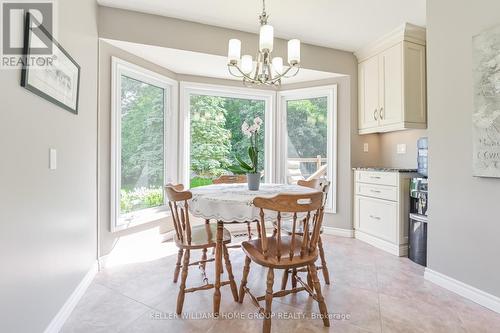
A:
(257, 121)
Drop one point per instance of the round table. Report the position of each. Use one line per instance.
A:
(232, 203)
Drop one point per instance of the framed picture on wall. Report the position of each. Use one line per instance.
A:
(486, 114)
(54, 76)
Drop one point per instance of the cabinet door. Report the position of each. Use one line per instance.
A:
(391, 85)
(414, 85)
(377, 217)
(368, 93)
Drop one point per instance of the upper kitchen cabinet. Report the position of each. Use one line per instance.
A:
(392, 87)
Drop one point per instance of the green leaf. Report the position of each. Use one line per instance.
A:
(243, 164)
(237, 170)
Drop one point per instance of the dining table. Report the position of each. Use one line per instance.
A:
(233, 203)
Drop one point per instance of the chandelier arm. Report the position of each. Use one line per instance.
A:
(297, 67)
(245, 76)
(229, 66)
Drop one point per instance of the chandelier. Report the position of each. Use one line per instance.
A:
(266, 71)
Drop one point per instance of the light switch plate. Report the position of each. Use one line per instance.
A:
(401, 148)
(365, 147)
(52, 159)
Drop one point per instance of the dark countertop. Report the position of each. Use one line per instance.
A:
(384, 169)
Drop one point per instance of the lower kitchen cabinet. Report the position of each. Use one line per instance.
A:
(381, 209)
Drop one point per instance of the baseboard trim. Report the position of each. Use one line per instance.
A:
(397, 250)
(58, 321)
(472, 293)
(349, 233)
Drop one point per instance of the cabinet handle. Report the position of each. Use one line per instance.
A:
(381, 114)
(375, 114)
(374, 191)
(375, 177)
(375, 217)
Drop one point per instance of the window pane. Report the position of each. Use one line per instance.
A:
(142, 141)
(307, 127)
(216, 136)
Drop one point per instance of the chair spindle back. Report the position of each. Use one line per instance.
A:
(178, 203)
(304, 204)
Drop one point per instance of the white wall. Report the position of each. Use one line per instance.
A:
(464, 211)
(48, 219)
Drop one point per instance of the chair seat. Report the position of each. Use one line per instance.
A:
(286, 226)
(203, 236)
(252, 249)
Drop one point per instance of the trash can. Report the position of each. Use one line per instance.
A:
(417, 239)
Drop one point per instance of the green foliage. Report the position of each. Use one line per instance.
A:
(307, 127)
(216, 137)
(140, 198)
(142, 136)
(198, 181)
(210, 140)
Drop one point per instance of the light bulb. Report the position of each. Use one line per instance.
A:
(278, 65)
(246, 64)
(293, 51)
(266, 37)
(234, 50)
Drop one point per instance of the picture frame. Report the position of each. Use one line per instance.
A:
(58, 78)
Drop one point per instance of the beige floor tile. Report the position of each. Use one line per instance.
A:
(371, 292)
(103, 310)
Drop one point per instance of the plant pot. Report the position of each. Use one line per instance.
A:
(253, 180)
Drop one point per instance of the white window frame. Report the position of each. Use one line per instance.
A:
(284, 96)
(121, 67)
(189, 88)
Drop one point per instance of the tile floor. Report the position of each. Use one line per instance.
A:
(372, 291)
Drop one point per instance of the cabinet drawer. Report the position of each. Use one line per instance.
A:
(377, 191)
(377, 217)
(377, 177)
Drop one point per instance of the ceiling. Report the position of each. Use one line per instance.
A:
(341, 24)
(201, 64)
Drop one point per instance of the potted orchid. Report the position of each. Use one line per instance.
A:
(250, 169)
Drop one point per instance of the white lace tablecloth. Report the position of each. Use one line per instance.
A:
(233, 202)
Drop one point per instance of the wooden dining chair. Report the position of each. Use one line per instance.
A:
(188, 238)
(235, 179)
(286, 252)
(322, 185)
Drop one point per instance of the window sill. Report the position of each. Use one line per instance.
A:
(140, 219)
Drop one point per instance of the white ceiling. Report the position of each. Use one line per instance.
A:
(201, 64)
(341, 24)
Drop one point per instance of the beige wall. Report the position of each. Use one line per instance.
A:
(48, 222)
(388, 148)
(464, 211)
(163, 31)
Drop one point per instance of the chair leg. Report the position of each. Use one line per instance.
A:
(204, 257)
(284, 281)
(178, 265)
(229, 269)
(294, 278)
(321, 301)
(243, 284)
(309, 278)
(324, 268)
(180, 297)
(269, 300)
(249, 230)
